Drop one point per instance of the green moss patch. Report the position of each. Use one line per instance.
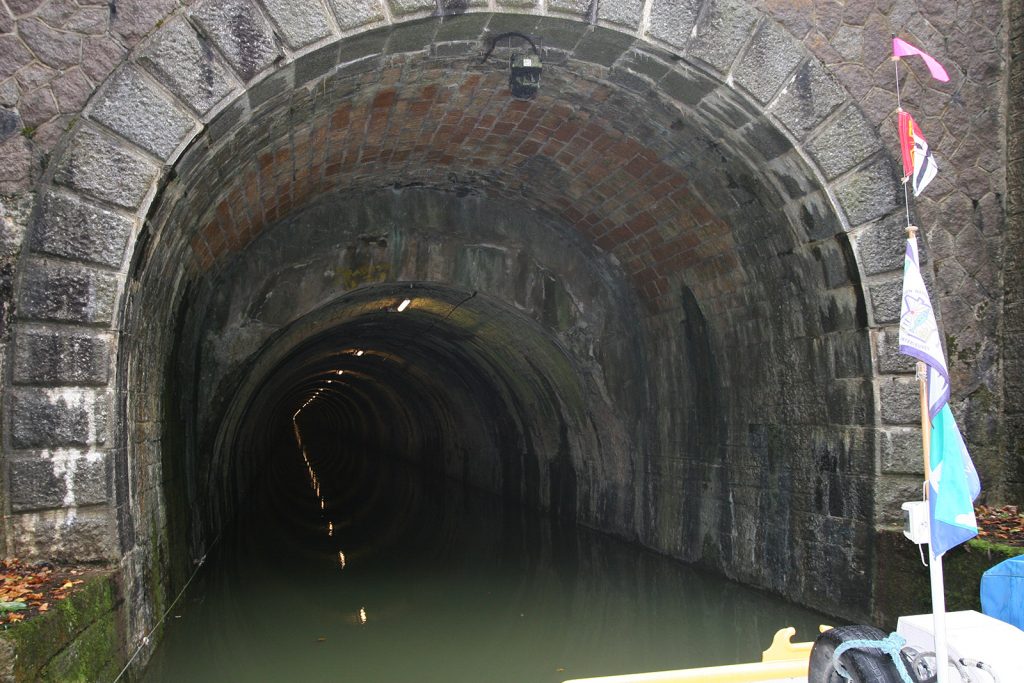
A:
(76, 640)
(902, 584)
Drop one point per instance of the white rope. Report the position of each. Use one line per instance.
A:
(145, 639)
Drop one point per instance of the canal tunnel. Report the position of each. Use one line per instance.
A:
(650, 298)
(628, 300)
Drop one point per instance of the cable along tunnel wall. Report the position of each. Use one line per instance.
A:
(669, 311)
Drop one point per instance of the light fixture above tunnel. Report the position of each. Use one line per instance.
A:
(524, 69)
(524, 75)
(404, 305)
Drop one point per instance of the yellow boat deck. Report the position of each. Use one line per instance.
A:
(783, 662)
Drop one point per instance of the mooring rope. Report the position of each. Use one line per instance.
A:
(891, 645)
(145, 639)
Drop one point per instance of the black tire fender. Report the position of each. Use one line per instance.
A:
(866, 665)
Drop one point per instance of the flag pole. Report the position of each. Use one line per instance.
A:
(905, 178)
(938, 589)
(959, 481)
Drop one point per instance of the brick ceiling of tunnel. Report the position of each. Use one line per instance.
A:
(627, 173)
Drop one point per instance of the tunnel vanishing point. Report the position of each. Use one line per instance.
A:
(659, 298)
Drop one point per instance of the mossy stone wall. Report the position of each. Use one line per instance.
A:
(902, 584)
(76, 641)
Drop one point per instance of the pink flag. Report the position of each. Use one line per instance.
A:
(901, 48)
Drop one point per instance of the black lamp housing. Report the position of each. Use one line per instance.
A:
(524, 75)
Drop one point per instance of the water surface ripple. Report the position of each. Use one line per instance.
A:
(344, 569)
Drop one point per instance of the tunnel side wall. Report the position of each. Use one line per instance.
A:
(761, 465)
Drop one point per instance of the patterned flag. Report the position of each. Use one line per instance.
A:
(901, 48)
(952, 482)
(918, 162)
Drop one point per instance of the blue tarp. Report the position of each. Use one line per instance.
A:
(1002, 591)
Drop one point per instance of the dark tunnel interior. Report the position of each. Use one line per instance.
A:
(449, 382)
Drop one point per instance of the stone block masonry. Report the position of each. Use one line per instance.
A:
(739, 151)
(1010, 337)
(69, 227)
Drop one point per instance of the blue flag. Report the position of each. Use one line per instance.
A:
(952, 481)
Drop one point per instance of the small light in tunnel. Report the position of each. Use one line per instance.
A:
(341, 372)
(341, 559)
(404, 305)
(362, 615)
(360, 352)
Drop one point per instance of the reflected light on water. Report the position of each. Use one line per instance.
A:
(330, 528)
(341, 559)
(362, 615)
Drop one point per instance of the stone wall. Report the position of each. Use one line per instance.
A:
(1011, 334)
(54, 54)
(783, 264)
(962, 213)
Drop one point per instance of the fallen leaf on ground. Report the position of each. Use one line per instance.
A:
(34, 585)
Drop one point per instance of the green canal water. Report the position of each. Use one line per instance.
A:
(388, 576)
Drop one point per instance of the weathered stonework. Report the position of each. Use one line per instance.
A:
(135, 109)
(240, 32)
(1012, 257)
(186, 65)
(67, 535)
(47, 357)
(49, 418)
(67, 293)
(730, 162)
(69, 227)
(97, 166)
(59, 480)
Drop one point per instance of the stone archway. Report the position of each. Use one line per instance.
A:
(725, 191)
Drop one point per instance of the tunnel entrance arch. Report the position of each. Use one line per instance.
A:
(712, 179)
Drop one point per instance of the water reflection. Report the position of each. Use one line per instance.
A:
(460, 588)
